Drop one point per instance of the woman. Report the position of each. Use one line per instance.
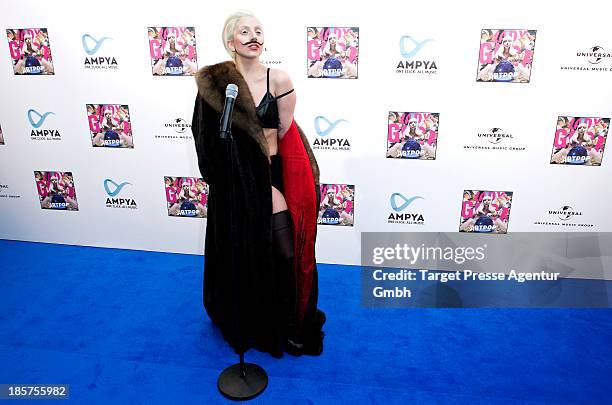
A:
(260, 279)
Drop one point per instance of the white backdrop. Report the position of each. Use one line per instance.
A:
(528, 111)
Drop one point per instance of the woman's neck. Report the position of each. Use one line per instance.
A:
(248, 67)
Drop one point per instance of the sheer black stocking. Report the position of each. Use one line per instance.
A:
(284, 257)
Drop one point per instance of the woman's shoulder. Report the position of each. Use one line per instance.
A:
(280, 79)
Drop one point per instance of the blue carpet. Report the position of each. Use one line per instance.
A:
(128, 327)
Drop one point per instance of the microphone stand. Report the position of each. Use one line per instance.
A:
(240, 381)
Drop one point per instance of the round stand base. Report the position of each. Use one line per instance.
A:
(235, 387)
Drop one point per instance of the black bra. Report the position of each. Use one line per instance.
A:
(267, 110)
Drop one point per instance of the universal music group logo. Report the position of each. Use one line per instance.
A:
(409, 48)
(91, 46)
(496, 139)
(181, 129)
(597, 59)
(565, 216)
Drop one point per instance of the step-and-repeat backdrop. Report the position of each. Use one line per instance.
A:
(424, 116)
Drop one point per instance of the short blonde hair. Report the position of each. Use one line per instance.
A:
(230, 26)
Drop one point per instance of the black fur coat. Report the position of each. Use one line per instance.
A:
(241, 287)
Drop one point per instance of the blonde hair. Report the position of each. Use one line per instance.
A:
(230, 26)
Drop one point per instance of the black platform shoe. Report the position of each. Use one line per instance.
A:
(311, 343)
(321, 318)
(294, 347)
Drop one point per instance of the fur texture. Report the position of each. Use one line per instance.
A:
(212, 81)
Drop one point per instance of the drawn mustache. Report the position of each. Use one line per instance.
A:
(253, 41)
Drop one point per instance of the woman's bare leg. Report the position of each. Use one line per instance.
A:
(278, 201)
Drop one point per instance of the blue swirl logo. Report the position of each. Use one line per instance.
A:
(41, 117)
(405, 201)
(416, 48)
(118, 187)
(330, 125)
(96, 44)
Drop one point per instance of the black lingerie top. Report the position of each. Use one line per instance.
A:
(267, 110)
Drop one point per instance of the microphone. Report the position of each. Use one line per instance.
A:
(226, 119)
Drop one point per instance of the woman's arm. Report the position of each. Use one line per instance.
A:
(286, 104)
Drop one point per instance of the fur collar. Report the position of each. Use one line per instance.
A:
(212, 81)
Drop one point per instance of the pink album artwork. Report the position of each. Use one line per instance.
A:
(505, 55)
(30, 51)
(579, 141)
(110, 125)
(337, 205)
(173, 51)
(412, 135)
(485, 211)
(186, 196)
(56, 190)
(333, 52)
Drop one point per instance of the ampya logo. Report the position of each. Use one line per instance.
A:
(96, 44)
(330, 125)
(416, 46)
(41, 117)
(567, 216)
(399, 203)
(409, 48)
(37, 120)
(326, 142)
(91, 46)
(113, 189)
(405, 201)
(118, 187)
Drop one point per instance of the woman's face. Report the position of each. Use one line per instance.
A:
(248, 38)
